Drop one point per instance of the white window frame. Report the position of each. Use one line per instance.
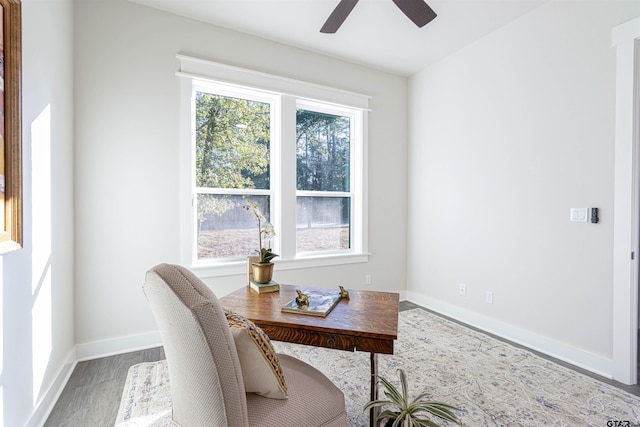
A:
(355, 174)
(288, 95)
(242, 93)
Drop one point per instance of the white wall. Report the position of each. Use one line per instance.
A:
(506, 136)
(36, 282)
(127, 169)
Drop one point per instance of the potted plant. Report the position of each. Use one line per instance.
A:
(263, 269)
(402, 412)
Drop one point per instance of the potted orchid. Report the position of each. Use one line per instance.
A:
(263, 269)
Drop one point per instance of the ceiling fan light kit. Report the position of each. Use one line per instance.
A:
(416, 10)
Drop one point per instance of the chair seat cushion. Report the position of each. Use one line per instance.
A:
(261, 369)
(313, 400)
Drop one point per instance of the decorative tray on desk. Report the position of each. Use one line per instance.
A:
(316, 303)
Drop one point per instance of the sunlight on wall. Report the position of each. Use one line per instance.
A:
(42, 338)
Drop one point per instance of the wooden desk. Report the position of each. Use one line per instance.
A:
(367, 321)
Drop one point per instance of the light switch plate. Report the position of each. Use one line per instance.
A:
(578, 214)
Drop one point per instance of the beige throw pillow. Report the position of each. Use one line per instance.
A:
(261, 370)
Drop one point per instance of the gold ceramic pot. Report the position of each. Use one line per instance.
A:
(262, 273)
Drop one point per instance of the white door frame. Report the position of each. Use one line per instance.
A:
(626, 39)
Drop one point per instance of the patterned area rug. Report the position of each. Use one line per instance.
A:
(494, 383)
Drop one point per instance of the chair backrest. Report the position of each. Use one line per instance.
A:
(204, 370)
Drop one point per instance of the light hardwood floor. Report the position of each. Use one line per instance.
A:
(92, 395)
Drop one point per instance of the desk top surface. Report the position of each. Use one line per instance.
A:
(369, 314)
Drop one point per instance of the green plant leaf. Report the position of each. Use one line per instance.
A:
(403, 384)
(392, 392)
(387, 414)
(376, 403)
(266, 255)
(441, 410)
(420, 398)
(425, 423)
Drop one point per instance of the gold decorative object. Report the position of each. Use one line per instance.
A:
(301, 299)
(262, 272)
(343, 292)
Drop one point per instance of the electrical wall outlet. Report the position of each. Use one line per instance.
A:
(488, 297)
(367, 279)
(462, 289)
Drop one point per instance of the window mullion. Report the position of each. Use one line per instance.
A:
(288, 178)
(359, 182)
(308, 193)
(234, 191)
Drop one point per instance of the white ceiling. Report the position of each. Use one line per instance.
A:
(376, 33)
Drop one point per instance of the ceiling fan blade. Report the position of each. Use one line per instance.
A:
(416, 10)
(337, 17)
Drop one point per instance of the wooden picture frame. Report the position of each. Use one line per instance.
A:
(10, 126)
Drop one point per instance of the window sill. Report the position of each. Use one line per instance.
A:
(240, 267)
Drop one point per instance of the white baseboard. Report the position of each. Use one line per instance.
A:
(45, 405)
(573, 355)
(125, 344)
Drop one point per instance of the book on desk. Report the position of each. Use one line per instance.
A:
(263, 288)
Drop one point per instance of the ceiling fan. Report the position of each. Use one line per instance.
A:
(416, 10)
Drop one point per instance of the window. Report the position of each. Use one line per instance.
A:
(232, 164)
(300, 158)
(323, 179)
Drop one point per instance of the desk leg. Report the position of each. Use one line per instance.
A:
(373, 412)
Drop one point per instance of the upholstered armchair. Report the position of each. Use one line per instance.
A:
(206, 349)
